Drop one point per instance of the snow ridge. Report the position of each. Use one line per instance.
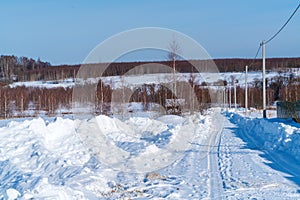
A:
(282, 136)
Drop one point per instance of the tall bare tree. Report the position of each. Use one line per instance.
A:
(173, 55)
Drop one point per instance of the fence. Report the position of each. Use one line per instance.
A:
(289, 110)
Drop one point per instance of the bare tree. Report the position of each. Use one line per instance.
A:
(173, 56)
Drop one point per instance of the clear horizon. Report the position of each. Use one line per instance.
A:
(64, 32)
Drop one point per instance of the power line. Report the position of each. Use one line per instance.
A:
(255, 55)
(262, 45)
(253, 60)
(269, 40)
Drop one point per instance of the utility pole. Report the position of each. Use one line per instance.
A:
(234, 85)
(224, 97)
(230, 96)
(246, 90)
(264, 77)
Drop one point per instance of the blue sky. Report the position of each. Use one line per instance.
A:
(65, 31)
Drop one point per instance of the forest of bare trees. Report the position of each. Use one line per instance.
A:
(33, 101)
(12, 68)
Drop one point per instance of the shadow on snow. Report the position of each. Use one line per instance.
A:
(276, 159)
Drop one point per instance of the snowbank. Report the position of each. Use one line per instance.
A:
(272, 134)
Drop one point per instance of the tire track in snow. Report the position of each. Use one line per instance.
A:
(226, 161)
(244, 173)
(225, 165)
(199, 170)
(229, 181)
(279, 160)
(215, 182)
(192, 168)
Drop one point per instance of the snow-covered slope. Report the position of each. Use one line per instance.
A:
(118, 82)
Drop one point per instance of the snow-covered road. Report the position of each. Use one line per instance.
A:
(245, 172)
(229, 157)
(235, 167)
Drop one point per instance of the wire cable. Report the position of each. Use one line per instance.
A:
(269, 40)
(253, 60)
(289, 19)
(258, 50)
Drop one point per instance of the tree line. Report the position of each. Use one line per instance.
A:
(13, 68)
(32, 101)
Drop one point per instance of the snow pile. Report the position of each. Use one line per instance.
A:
(45, 158)
(38, 157)
(282, 136)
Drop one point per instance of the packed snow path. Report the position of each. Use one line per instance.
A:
(244, 171)
(230, 157)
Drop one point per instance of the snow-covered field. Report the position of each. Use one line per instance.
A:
(211, 156)
(130, 80)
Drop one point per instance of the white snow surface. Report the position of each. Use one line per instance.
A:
(135, 80)
(229, 157)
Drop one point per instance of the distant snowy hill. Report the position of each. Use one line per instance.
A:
(117, 81)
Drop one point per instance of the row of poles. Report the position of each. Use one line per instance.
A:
(227, 97)
(263, 44)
